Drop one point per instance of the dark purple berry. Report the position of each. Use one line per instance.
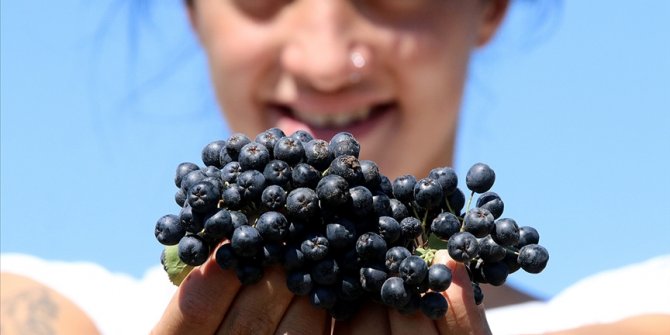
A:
(505, 232)
(169, 230)
(315, 247)
(439, 277)
(235, 143)
(371, 247)
(317, 154)
(527, 235)
(273, 197)
(394, 257)
(394, 293)
(478, 222)
(492, 202)
(193, 250)
(230, 171)
(403, 188)
(533, 258)
(446, 176)
(463, 247)
(246, 241)
(434, 305)
(182, 170)
(253, 156)
(272, 226)
(333, 191)
(480, 178)
(361, 201)
(428, 193)
(210, 153)
(344, 143)
(289, 150)
(413, 270)
(302, 136)
(302, 204)
(299, 282)
(445, 225)
(305, 175)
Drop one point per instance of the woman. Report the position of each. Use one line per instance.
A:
(391, 72)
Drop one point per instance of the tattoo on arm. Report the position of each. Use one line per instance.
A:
(30, 312)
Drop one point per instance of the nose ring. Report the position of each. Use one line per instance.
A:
(358, 63)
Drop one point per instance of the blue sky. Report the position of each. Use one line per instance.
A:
(570, 107)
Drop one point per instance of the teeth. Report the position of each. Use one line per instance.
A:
(332, 120)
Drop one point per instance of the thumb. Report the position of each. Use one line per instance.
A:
(463, 315)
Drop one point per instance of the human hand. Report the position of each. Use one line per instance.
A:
(212, 301)
(463, 315)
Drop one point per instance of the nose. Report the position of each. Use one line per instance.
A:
(324, 49)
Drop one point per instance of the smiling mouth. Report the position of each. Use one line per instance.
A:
(341, 121)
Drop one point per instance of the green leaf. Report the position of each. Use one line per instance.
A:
(435, 242)
(175, 268)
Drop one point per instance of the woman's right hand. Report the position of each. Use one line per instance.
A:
(463, 315)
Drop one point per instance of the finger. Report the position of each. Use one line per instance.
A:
(200, 301)
(258, 308)
(371, 319)
(302, 317)
(463, 314)
(415, 323)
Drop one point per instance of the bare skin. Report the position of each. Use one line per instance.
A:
(268, 307)
(29, 307)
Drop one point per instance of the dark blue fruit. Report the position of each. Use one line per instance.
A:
(463, 247)
(394, 293)
(371, 247)
(182, 170)
(506, 232)
(272, 226)
(403, 188)
(434, 305)
(253, 156)
(299, 282)
(478, 222)
(193, 250)
(168, 230)
(480, 178)
(447, 178)
(289, 150)
(439, 277)
(413, 270)
(445, 225)
(235, 143)
(318, 154)
(210, 153)
(246, 241)
(533, 258)
(492, 202)
(394, 257)
(344, 143)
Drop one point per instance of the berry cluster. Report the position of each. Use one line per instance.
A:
(342, 230)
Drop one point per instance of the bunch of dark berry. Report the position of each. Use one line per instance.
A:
(342, 231)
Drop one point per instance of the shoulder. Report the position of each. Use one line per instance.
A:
(30, 307)
(104, 296)
(605, 297)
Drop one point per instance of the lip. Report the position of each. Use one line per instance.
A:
(281, 116)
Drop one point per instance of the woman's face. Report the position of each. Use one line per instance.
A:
(391, 72)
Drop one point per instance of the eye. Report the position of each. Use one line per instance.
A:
(261, 9)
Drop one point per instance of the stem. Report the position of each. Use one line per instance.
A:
(467, 208)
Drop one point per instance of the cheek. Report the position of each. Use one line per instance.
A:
(238, 55)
